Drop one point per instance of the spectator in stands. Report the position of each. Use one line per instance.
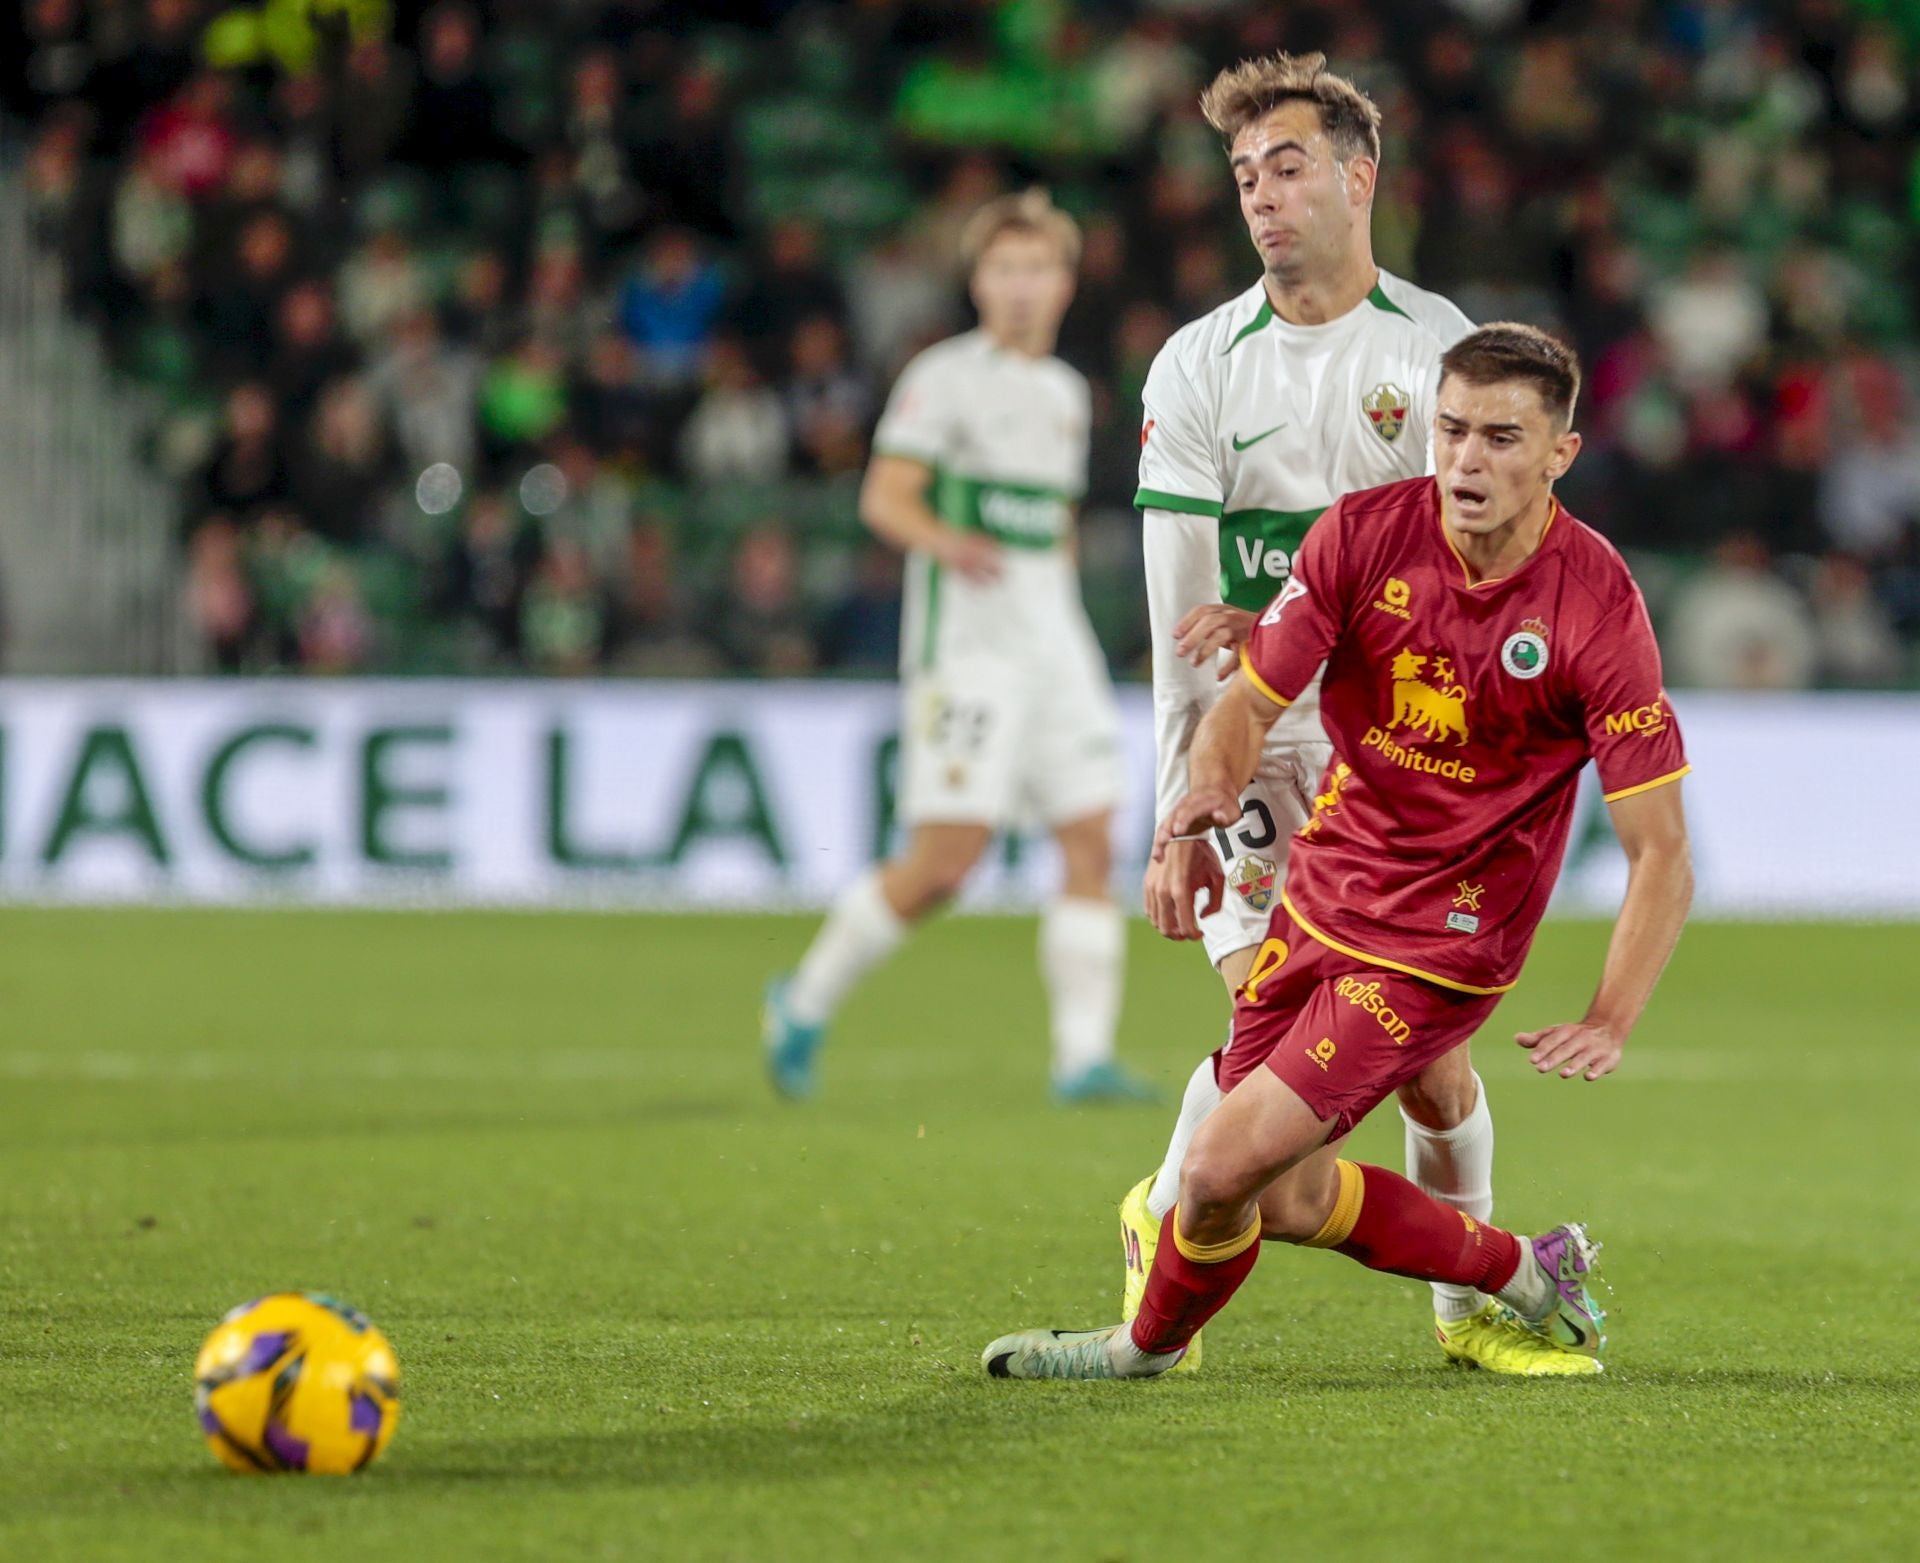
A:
(829, 401)
(344, 467)
(482, 578)
(862, 632)
(219, 600)
(308, 351)
(247, 471)
(565, 621)
(655, 610)
(791, 287)
(1739, 626)
(670, 305)
(1854, 632)
(761, 625)
(428, 391)
(738, 431)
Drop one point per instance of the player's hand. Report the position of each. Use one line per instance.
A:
(971, 554)
(1583, 1049)
(1180, 870)
(1197, 811)
(1206, 632)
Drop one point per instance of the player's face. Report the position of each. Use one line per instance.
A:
(1300, 202)
(1022, 286)
(1497, 450)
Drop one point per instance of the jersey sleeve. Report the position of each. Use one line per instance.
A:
(1183, 572)
(1179, 469)
(1631, 729)
(1294, 636)
(919, 419)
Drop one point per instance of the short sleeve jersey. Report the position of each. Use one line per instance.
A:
(1006, 436)
(1263, 424)
(1460, 716)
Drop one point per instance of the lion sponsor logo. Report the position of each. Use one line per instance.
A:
(1385, 407)
(1253, 878)
(1435, 711)
(1369, 997)
(1645, 720)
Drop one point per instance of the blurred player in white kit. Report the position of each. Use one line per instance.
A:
(979, 462)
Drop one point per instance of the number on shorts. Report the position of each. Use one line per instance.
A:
(1251, 839)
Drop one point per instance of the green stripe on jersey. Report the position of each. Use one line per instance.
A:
(1256, 553)
(1021, 515)
(930, 629)
(1379, 300)
(1181, 504)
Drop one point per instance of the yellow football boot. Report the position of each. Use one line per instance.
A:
(1495, 1339)
(1139, 1237)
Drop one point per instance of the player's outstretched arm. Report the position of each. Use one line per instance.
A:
(893, 504)
(1226, 748)
(1652, 828)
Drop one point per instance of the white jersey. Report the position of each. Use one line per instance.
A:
(1253, 427)
(1006, 436)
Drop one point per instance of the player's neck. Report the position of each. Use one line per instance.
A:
(1313, 301)
(1028, 344)
(1492, 556)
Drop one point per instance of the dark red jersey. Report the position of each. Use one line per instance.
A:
(1460, 716)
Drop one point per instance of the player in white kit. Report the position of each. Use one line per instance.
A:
(979, 462)
(1317, 381)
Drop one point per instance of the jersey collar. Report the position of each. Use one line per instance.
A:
(1466, 582)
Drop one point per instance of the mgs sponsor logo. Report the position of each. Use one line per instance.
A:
(1645, 720)
(1367, 996)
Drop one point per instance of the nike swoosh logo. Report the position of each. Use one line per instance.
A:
(1240, 444)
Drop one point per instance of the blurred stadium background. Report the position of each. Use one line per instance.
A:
(545, 338)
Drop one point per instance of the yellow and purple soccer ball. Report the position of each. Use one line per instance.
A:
(296, 1382)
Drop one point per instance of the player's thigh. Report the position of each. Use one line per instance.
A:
(960, 742)
(1070, 751)
(1444, 1093)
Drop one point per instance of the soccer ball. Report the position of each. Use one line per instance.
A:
(296, 1382)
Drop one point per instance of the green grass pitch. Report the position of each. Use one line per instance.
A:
(646, 1312)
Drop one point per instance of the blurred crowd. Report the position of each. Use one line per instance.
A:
(549, 334)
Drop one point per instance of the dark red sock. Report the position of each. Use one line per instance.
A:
(1183, 1293)
(1393, 1226)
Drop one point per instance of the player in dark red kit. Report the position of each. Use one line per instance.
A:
(1480, 646)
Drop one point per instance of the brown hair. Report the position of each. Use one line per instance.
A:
(1253, 89)
(1031, 211)
(1507, 350)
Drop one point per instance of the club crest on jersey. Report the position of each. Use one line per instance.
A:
(1524, 654)
(1253, 878)
(1386, 409)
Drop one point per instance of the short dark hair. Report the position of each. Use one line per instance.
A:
(1507, 350)
(1253, 89)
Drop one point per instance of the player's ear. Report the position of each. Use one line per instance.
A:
(1363, 174)
(1565, 449)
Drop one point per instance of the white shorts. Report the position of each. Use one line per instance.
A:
(1254, 852)
(1010, 744)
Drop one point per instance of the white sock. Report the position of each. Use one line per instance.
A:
(1531, 1291)
(1455, 1166)
(1082, 955)
(860, 932)
(1129, 1361)
(1202, 1096)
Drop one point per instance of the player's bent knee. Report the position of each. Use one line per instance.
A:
(1213, 1184)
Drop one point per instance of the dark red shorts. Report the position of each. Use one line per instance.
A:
(1343, 1034)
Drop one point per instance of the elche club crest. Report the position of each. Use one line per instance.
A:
(1253, 878)
(1524, 653)
(1386, 409)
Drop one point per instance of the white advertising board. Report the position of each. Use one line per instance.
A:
(751, 795)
